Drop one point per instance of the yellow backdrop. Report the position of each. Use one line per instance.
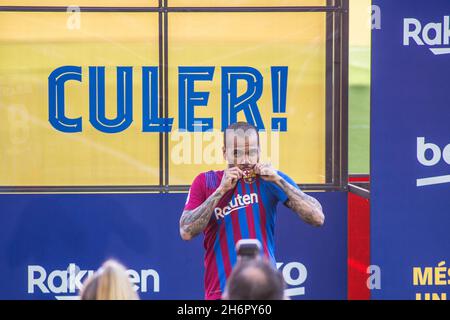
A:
(32, 45)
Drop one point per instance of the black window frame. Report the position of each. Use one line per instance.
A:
(337, 53)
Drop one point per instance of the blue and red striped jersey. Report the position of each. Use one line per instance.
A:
(247, 212)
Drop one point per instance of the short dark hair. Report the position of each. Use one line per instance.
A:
(240, 125)
(267, 285)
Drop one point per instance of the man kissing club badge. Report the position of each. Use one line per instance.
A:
(249, 175)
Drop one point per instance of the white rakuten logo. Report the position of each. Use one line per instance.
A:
(236, 203)
(437, 155)
(66, 283)
(436, 35)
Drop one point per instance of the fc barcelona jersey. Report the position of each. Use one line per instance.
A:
(246, 212)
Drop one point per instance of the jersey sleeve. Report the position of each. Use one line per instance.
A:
(278, 192)
(197, 193)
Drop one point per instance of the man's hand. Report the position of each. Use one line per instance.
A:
(230, 178)
(193, 222)
(267, 172)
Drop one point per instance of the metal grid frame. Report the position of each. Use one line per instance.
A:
(336, 144)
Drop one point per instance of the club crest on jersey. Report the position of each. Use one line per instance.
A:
(249, 176)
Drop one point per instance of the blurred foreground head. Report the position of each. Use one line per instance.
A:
(254, 279)
(110, 282)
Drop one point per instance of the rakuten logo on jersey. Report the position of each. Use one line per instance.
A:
(236, 203)
(66, 283)
(436, 35)
(429, 155)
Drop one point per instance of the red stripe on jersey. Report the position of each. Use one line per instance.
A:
(249, 214)
(224, 249)
(211, 277)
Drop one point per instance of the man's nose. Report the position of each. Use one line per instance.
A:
(246, 159)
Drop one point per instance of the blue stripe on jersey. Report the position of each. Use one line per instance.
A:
(270, 219)
(219, 260)
(211, 180)
(242, 216)
(256, 216)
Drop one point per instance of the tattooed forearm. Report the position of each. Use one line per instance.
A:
(192, 222)
(306, 207)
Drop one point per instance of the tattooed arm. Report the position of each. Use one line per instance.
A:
(193, 222)
(305, 206)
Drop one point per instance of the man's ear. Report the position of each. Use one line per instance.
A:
(224, 152)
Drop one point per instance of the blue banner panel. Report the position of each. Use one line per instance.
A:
(410, 150)
(50, 242)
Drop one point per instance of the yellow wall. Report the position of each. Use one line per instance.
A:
(32, 45)
(360, 23)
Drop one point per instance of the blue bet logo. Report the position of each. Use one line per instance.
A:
(188, 98)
